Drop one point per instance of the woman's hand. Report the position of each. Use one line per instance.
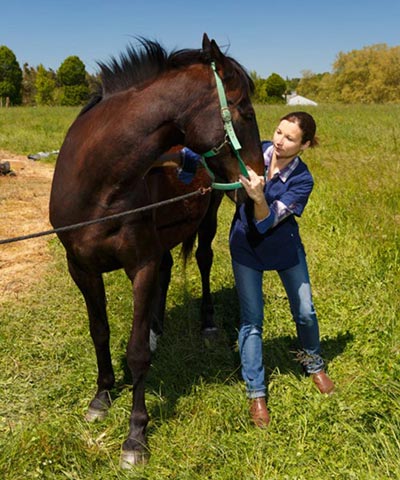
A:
(254, 186)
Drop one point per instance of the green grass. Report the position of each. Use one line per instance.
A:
(26, 130)
(199, 426)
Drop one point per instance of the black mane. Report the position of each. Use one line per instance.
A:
(137, 66)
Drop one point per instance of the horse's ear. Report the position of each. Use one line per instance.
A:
(211, 49)
(206, 43)
(216, 53)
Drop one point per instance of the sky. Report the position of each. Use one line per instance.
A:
(287, 38)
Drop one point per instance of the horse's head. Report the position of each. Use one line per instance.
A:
(224, 127)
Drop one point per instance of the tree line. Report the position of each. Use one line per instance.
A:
(70, 85)
(368, 75)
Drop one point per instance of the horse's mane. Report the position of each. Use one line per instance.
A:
(137, 66)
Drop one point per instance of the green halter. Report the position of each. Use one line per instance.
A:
(230, 138)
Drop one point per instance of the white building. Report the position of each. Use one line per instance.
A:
(295, 99)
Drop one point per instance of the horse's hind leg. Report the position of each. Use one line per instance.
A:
(204, 257)
(92, 287)
(157, 319)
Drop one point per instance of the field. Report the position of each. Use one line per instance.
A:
(200, 428)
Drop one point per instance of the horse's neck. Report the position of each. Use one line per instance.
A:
(133, 128)
(177, 95)
(164, 111)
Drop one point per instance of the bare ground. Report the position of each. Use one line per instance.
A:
(24, 200)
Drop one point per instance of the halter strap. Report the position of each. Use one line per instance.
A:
(230, 138)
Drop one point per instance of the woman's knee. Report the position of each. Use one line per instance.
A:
(304, 311)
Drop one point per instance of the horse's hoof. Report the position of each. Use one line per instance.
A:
(98, 407)
(130, 458)
(210, 335)
(94, 414)
(210, 331)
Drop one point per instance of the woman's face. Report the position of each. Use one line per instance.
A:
(287, 140)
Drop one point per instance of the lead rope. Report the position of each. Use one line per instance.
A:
(200, 191)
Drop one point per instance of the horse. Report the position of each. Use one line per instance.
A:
(150, 100)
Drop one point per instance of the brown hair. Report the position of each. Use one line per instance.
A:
(307, 125)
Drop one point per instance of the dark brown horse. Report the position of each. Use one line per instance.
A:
(150, 101)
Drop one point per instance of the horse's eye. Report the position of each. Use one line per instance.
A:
(247, 113)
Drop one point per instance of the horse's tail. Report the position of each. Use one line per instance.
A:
(187, 248)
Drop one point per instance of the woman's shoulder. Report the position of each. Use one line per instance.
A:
(301, 173)
(302, 167)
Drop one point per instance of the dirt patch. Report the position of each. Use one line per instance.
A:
(24, 209)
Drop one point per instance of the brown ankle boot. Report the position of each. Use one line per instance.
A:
(259, 412)
(323, 382)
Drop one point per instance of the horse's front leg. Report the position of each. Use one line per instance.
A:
(134, 449)
(92, 287)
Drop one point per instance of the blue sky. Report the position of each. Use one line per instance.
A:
(286, 37)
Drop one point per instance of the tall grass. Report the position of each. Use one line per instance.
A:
(199, 426)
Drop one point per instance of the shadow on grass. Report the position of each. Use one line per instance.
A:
(280, 353)
(184, 360)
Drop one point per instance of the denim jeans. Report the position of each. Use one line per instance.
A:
(296, 282)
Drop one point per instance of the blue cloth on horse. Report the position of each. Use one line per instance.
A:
(190, 160)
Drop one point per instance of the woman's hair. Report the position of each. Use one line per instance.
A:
(307, 125)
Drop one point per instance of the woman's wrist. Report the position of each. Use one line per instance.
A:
(261, 210)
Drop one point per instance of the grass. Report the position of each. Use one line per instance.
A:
(199, 426)
(38, 129)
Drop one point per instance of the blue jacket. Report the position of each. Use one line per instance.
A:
(276, 249)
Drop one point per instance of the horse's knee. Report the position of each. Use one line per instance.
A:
(138, 361)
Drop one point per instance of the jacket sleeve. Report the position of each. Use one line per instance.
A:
(294, 200)
(190, 161)
(296, 196)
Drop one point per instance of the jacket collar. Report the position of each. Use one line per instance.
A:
(287, 171)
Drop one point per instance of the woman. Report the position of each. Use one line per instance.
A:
(265, 236)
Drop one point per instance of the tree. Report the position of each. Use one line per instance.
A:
(45, 85)
(260, 92)
(275, 87)
(10, 77)
(291, 84)
(28, 85)
(72, 71)
(369, 75)
(72, 77)
(310, 84)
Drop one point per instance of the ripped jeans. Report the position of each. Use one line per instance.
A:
(296, 282)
